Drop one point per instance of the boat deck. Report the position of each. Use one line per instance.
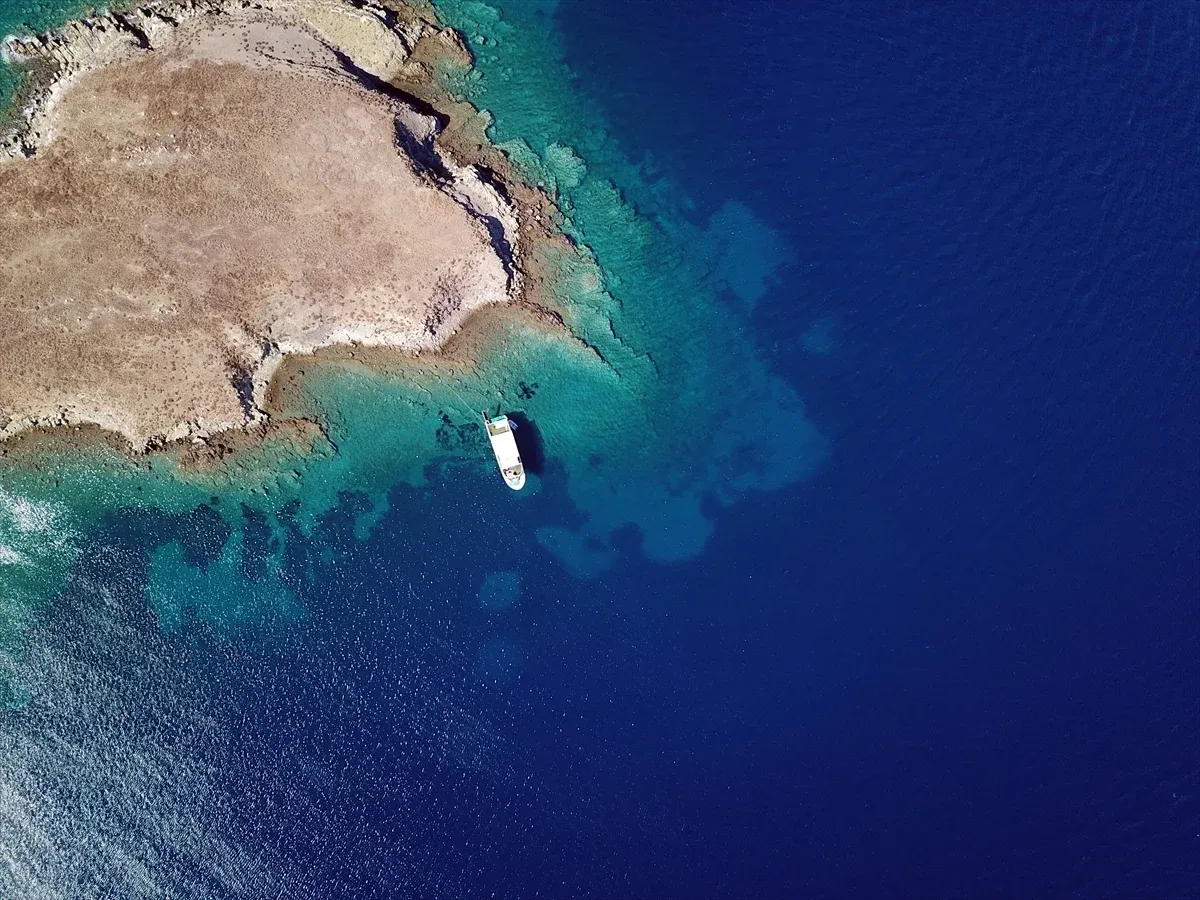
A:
(504, 446)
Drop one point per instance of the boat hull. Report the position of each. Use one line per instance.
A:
(504, 446)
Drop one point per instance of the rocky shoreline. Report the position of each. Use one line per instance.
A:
(386, 52)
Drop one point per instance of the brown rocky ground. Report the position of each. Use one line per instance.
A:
(195, 210)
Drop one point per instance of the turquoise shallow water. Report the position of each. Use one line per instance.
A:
(670, 415)
(24, 16)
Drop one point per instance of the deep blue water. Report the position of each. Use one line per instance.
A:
(961, 660)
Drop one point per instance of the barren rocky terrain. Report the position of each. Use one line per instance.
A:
(190, 203)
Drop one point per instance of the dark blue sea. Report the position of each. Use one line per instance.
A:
(963, 660)
(959, 658)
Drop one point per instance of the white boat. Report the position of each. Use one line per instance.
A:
(504, 445)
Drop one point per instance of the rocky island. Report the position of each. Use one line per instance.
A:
(197, 190)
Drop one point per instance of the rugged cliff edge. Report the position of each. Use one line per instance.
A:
(198, 189)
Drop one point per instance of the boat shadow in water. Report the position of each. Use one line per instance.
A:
(529, 443)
